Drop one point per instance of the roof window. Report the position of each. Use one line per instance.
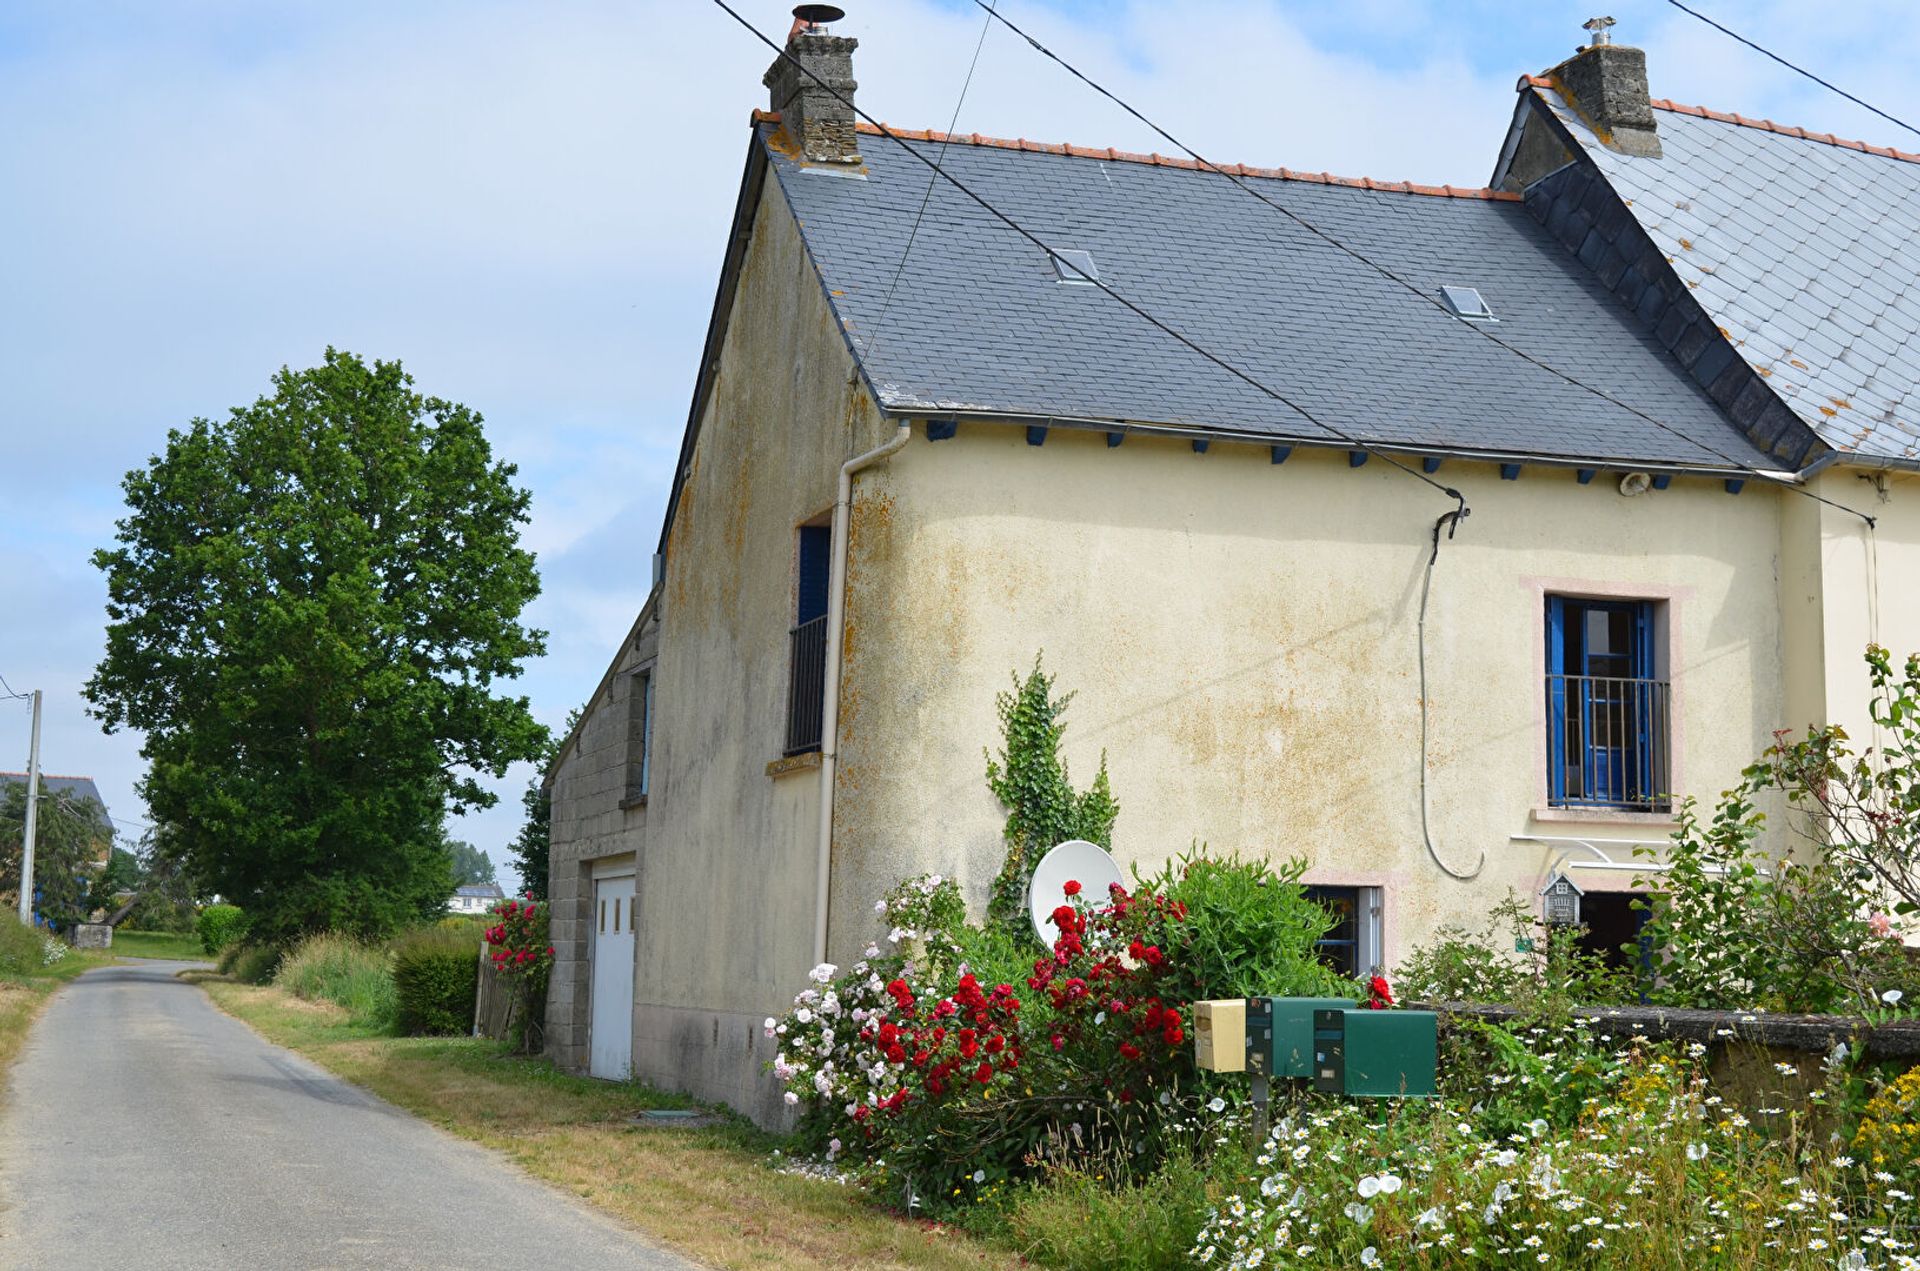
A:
(1075, 267)
(1466, 302)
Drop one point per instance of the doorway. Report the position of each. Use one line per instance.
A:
(610, 1036)
(1613, 927)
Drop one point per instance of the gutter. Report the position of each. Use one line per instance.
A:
(1851, 459)
(1230, 436)
(830, 695)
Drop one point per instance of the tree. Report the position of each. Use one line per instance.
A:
(470, 864)
(71, 838)
(311, 606)
(531, 845)
(1031, 779)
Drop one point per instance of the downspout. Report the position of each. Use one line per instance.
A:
(830, 690)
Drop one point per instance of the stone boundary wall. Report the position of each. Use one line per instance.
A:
(1814, 1034)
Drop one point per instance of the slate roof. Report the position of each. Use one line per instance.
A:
(1804, 248)
(486, 891)
(980, 322)
(77, 789)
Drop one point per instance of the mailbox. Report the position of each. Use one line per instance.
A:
(1220, 1036)
(1376, 1054)
(1280, 1033)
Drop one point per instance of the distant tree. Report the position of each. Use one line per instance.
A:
(310, 607)
(68, 843)
(470, 864)
(530, 847)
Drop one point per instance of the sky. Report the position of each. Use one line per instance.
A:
(526, 204)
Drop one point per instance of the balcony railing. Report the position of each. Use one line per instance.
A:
(1609, 743)
(806, 685)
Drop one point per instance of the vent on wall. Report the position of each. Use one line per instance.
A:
(1466, 302)
(1074, 267)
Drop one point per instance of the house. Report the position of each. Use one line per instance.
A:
(475, 898)
(1233, 515)
(56, 793)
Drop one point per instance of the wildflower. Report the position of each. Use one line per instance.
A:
(1696, 1151)
(1892, 997)
(1369, 1257)
(1360, 1213)
(1216, 1104)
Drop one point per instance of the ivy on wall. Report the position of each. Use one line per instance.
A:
(1031, 779)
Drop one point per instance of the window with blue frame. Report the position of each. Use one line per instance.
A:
(1351, 946)
(1609, 715)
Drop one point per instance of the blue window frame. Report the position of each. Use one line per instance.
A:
(1608, 713)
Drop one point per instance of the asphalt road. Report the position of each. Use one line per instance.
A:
(145, 1128)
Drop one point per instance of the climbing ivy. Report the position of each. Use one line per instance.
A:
(1031, 779)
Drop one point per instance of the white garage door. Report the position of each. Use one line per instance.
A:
(611, 1039)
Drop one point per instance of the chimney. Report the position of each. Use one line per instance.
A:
(820, 123)
(1607, 84)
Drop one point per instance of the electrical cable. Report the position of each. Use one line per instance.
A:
(1385, 272)
(1797, 70)
(933, 180)
(1452, 521)
(1137, 310)
(6, 690)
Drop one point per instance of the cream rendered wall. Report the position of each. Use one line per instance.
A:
(725, 885)
(1241, 637)
(1869, 583)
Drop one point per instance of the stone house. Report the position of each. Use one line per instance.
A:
(1213, 455)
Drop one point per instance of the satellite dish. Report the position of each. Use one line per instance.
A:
(1075, 860)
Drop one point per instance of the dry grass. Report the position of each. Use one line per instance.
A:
(708, 1192)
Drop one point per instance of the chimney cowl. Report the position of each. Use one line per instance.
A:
(811, 86)
(1607, 84)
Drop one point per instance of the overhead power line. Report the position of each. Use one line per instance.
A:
(1136, 309)
(1795, 68)
(1386, 272)
(933, 180)
(6, 690)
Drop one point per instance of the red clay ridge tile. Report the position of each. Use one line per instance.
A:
(1767, 125)
(1113, 155)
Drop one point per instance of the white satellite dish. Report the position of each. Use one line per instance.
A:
(1075, 860)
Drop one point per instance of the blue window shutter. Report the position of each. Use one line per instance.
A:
(1556, 699)
(815, 540)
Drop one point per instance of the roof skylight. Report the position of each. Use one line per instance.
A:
(1466, 302)
(1075, 267)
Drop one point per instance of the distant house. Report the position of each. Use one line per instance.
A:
(907, 471)
(73, 791)
(476, 898)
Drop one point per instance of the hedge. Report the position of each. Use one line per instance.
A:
(435, 977)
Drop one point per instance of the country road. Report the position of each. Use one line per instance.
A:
(145, 1128)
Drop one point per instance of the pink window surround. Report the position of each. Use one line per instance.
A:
(1674, 601)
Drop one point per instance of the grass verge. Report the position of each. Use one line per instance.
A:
(169, 945)
(708, 1192)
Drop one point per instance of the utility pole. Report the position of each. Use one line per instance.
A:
(33, 817)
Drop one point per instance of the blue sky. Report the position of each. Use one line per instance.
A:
(526, 203)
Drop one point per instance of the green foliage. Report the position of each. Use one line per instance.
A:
(311, 605)
(1090, 1216)
(341, 970)
(158, 911)
(436, 976)
(1514, 960)
(1248, 929)
(470, 864)
(1031, 779)
(249, 963)
(530, 847)
(23, 949)
(71, 837)
(220, 927)
(122, 874)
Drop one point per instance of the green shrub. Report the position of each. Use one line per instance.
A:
(436, 976)
(219, 927)
(341, 970)
(23, 949)
(1516, 960)
(1249, 929)
(249, 963)
(156, 911)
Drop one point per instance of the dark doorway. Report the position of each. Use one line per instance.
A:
(1612, 922)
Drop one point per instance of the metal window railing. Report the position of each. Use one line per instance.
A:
(1609, 743)
(806, 685)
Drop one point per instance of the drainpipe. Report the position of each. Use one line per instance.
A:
(830, 692)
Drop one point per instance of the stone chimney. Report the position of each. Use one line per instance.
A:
(820, 123)
(1607, 84)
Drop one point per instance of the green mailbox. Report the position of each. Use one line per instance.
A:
(1280, 1032)
(1377, 1054)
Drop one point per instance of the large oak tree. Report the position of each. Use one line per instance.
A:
(312, 606)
